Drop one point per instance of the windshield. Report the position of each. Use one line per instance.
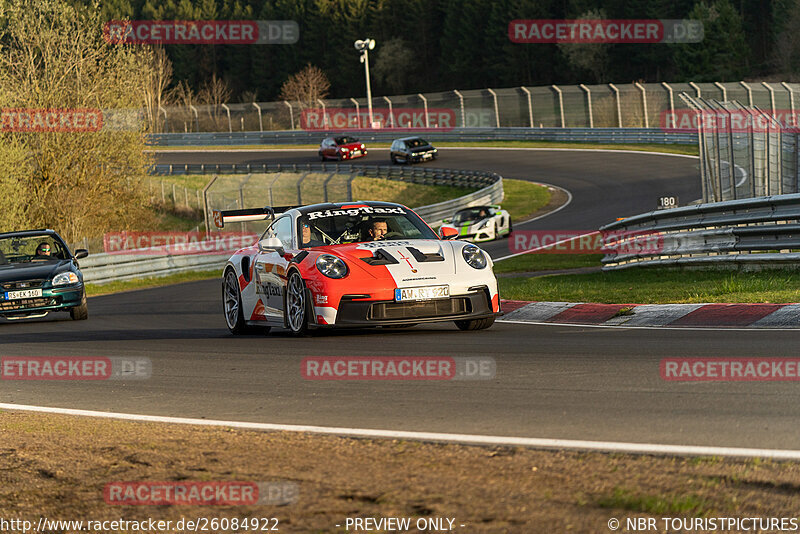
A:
(364, 223)
(39, 248)
(472, 214)
(414, 143)
(345, 140)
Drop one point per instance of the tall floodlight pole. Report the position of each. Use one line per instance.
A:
(364, 46)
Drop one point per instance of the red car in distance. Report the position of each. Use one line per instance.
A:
(341, 148)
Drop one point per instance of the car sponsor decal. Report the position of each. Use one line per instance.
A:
(355, 211)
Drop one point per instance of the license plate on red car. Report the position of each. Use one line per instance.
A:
(421, 293)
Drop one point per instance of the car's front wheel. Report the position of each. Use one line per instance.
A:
(296, 305)
(80, 313)
(475, 324)
(232, 305)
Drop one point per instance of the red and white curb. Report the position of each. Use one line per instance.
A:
(654, 315)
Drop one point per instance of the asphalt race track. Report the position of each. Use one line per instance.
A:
(552, 381)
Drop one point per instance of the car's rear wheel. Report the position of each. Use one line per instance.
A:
(475, 324)
(296, 305)
(394, 159)
(80, 313)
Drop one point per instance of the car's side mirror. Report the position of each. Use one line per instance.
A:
(448, 233)
(81, 253)
(271, 244)
(446, 221)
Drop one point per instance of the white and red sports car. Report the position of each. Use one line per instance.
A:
(354, 264)
(479, 223)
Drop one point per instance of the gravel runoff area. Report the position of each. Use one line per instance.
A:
(57, 467)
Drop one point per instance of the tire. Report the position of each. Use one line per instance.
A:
(322, 157)
(496, 231)
(232, 307)
(394, 159)
(475, 324)
(296, 308)
(80, 313)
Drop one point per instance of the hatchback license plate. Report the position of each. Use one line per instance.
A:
(421, 293)
(22, 294)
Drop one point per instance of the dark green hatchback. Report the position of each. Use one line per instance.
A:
(39, 275)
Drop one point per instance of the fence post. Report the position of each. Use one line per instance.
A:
(324, 113)
(560, 103)
(228, 111)
(174, 195)
(350, 187)
(325, 186)
(291, 112)
(696, 88)
(358, 116)
(724, 91)
(196, 117)
(205, 203)
(749, 93)
(391, 112)
(163, 195)
(260, 121)
(644, 104)
(589, 97)
(272, 200)
(671, 106)
(619, 107)
(425, 104)
(496, 109)
(299, 188)
(791, 100)
(166, 123)
(771, 97)
(530, 104)
(461, 102)
(186, 196)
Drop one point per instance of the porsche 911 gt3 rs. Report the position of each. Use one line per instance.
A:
(353, 264)
(479, 223)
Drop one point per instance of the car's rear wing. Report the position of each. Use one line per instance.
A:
(245, 215)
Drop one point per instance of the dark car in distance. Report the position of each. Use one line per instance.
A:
(39, 275)
(341, 148)
(412, 150)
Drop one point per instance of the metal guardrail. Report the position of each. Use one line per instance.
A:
(758, 231)
(102, 268)
(292, 137)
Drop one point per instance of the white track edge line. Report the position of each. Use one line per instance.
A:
(541, 443)
(665, 327)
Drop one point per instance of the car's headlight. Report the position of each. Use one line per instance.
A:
(65, 279)
(345, 149)
(474, 256)
(331, 266)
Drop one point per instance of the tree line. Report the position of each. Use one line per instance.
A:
(438, 45)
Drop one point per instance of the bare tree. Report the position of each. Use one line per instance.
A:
(214, 93)
(84, 181)
(158, 79)
(306, 86)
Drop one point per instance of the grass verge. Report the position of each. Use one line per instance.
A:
(93, 290)
(690, 150)
(57, 466)
(657, 286)
(546, 262)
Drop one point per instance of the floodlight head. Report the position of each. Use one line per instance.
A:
(359, 45)
(371, 43)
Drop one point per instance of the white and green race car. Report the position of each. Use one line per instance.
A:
(479, 223)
